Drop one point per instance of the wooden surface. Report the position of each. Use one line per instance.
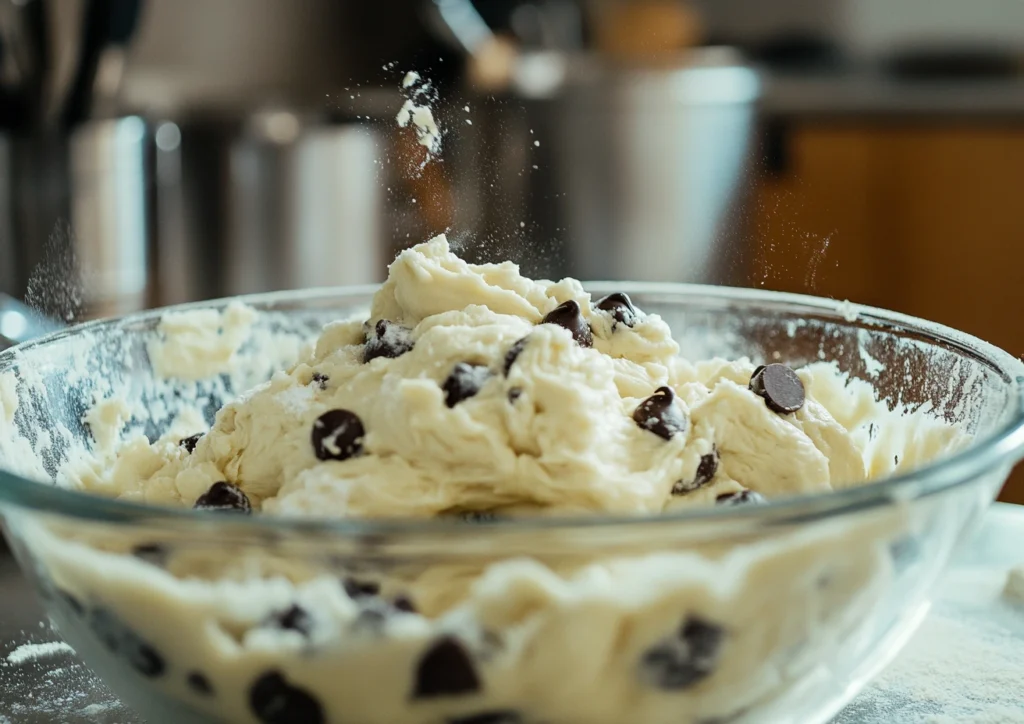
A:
(923, 219)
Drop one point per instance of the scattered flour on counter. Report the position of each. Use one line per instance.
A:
(964, 665)
(34, 652)
(94, 709)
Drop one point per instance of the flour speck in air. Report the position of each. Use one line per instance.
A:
(416, 112)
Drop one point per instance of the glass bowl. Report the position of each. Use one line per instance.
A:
(772, 613)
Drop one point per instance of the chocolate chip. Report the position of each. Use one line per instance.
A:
(224, 497)
(514, 394)
(445, 670)
(620, 307)
(360, 589)
(706, 469)
(685, 659)
(506, 716)
(780, 387)
(513, 354)
(743, 497)
(295, 618)
(389, 340)
(151, 553)
(404, 604)
(464, 382)
(199, 684)
(569, 316)
(189, 443)
(320, 379)
(274, 701)
(337, 435)
(122, 641)
(659, 414)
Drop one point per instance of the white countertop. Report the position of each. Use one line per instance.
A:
(964, 666)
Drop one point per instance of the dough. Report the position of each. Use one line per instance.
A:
(555, 435)
(452, 398)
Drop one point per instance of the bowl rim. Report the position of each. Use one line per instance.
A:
(1001, 448)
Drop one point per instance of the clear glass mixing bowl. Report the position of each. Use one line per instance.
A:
(767, 613)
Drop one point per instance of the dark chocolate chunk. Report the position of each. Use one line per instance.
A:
(199, 684)
(781, 388)
(404, 603)
(569, 316)
(388, 340)
(464, 381)
(320, 379)
(620, 307)
(513, 354)
(685, 659)
(189, 443)
(295, 618)
(660, 414)
(122, 641)
(274, 701)
(337, 435)
(445, 670)
(706, 469)
(224, 497)
(505, 716)
(360, 589)
(151, 553)
(514, 394)
(743, 497)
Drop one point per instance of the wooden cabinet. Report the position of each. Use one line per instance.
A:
(926, 219)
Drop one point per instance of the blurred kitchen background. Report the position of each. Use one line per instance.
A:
(161, 151)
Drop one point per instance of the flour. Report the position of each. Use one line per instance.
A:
(416, 111)
(34, 652)
(963, 665)
(43, 682)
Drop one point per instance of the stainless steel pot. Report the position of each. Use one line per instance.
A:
(613, 172)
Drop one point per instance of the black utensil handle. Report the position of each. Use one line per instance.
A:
(106, 23)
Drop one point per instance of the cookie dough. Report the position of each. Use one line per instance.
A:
(472, 392)
(454, 397)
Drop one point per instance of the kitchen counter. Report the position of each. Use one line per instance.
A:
(964, 665)
(868, 93)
